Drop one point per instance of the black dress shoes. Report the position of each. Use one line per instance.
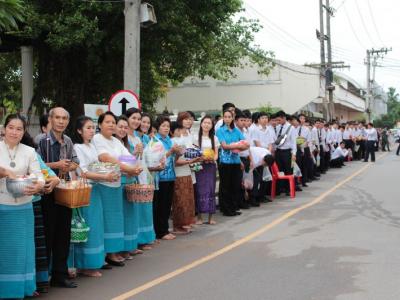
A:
(64, 283)
(298, 189)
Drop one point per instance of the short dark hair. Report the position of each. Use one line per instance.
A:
(161, 119)
(254, 117)
(269, 160)
(227, 105)
(280, 114)
(174, 126)
(43, 121)
(192, 114)
(103, 116)
(247, 113)
(262, 114)
(239, 114)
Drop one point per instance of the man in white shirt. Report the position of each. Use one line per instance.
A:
(264, 135)
(338, 156)
(371, 139)
(286, 148)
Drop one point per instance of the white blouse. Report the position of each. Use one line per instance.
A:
(112, 147)
(26, 163)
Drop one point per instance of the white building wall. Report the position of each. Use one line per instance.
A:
(289, 87)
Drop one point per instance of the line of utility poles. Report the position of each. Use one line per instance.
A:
(326, 66)
(374, 54)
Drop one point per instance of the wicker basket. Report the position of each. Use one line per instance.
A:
(73, 197)
(139, 192)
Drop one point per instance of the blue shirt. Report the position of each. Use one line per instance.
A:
(228, 136)
(168, 174)
(144, 138)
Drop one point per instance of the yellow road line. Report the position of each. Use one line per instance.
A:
(240, 242)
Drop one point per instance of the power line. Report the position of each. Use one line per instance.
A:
(363, 22)
(352, 28)
(373, 22)
(281, 29)
(340, 5)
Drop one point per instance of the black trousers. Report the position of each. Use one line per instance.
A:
(370, 150)
(337, 162)
(360, 154)
(162, 203)
(308, 156)
(259, 186)
(322, 161)
(57, 227)
(230, 184)
(327, 159)
(283, 159)
(301, 161)
(398, 150)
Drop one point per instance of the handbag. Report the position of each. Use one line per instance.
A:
(79, 228)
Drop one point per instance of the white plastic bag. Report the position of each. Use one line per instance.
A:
(296, 170)
(154, 153)
(318, 160)
(266, 176)
(248, 180)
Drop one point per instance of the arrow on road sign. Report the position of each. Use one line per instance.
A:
(124, 102)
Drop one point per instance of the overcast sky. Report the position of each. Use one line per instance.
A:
(357, 25)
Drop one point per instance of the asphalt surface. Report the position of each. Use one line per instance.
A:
(344, 247)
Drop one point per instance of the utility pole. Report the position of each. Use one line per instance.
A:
(132, 46)
(329, 73)
(321, 37)
(367, 96)
(375, 54)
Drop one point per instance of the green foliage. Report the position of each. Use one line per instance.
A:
(393, 106)
(79, 47)
(10, 82)
(11, 11)
(269, 109)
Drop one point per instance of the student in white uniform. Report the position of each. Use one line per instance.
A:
(371, 139)
(338, 156)
(286, 148)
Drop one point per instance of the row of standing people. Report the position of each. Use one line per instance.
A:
(185, 188)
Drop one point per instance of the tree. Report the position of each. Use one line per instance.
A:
(79, 47)
(393, 107)
(11, 11)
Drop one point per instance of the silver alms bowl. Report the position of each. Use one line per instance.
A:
(17, 186)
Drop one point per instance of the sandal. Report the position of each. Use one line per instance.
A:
(90, 273)
(146, 247)
(212, 222)
(168, 237)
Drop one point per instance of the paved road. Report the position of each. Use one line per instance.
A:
(344, 247)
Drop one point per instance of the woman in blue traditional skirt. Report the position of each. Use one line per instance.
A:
(131, 217)
(110, 149)
(88, 257)
(17, 276)
(139, 126)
